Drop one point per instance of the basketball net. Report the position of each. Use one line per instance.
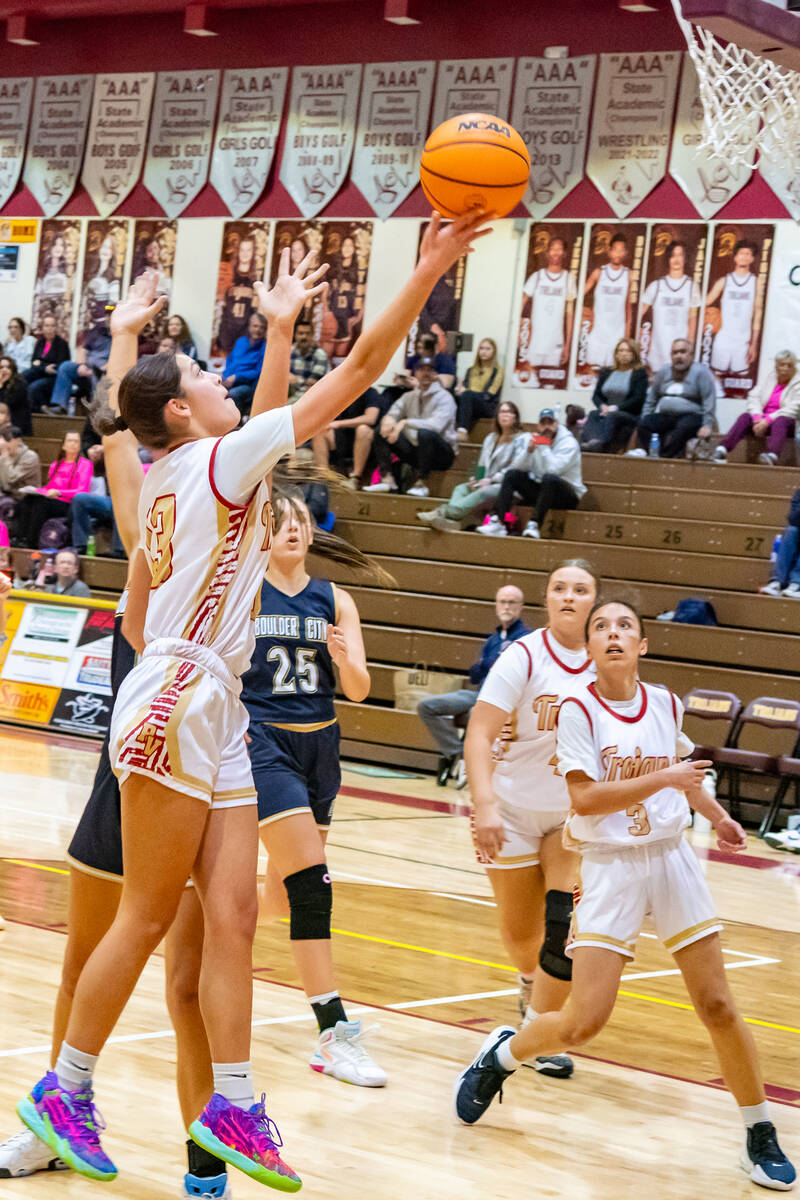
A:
(748, 101)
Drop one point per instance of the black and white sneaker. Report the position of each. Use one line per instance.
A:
(24, 1154)
(476, 1088)
(764, 1161)
(557, 1066)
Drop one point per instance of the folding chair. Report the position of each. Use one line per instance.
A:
(713, 706)
(767, 712)
(789, 772)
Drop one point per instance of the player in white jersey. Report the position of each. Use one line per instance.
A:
(188, 803)
(611, 304)
(552, 293)
(736, 343)
(673, 300)
(619, 743)
(520, 802)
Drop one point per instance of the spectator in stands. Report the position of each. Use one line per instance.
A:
(6, 560)
(772, 410)
(505, 443)
(69, 474)
(5, 416)
(243, 364)
(20, 345)
(479, 391)
(785, 579)
(309, 361)
(547, 474)
(67, 582)
(92, 508)
(167, 345)
(179, 330)
(14, 393)
(437, 712)
(424, 347)
(681, 404)
(419, 429)
(19, 466)
(619, 397)
(83, 371)
(50, 351)
(350, 436)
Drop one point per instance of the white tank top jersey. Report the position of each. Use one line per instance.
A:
(736, 307)
(610, 298)
(549, 294)
(206, 525)
(611, 741)
(529, 681)
(671, 302)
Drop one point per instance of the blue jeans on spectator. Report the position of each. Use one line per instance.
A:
(787, 566)
(66, 376)
(85, 509)
(40, 389)
(437, 713)
(242, 394)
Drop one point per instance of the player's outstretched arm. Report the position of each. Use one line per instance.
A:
(593, 798)
(441, 247)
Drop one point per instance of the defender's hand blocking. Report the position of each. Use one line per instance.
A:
(443, 245)
(292, 291)
(140, 305)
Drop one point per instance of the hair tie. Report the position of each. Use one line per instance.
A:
(120, 425)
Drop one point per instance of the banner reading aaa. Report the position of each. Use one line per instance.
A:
(15, 111)
(466, 85)
(393, 121)
(247, 133)
(551, 113)
(320, 134)
(117, 136)
(58, 135)
(631, 126)
(180, 137)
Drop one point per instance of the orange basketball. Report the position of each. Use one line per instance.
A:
(712, 319)
(474, 161)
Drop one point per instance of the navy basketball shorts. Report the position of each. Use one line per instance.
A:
(96, 845)
(294, 772)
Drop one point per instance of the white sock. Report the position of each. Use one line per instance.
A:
(530, 1015)
(752, 1114)
(74, 1068)
(505, 1057)
(234, 1081)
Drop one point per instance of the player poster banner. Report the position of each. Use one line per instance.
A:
(733, 317)
(610, 300)
(547, 315)
(392, 126)
(154, 247)
(472, 85)
(54, 289)
(103, 264)
(181, 132)
(632, 125)
(117, 138)
(16, 96)
(783, 295)
(707, 179)
(243, 260)
(61, 105)
(670, 303)
(320, 134)
(250, 117)
(552, 98)
(441, 314)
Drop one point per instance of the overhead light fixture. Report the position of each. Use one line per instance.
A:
(19, 33)
(641, 6)
(402, 12)
(197, 21)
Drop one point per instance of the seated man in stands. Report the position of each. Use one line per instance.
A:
(438, 712)
(772, 410)
(785, 579)
(349, 437)
(681, 404)
(82, 372)
(309, 362)
(424, 347)
(65, 581)
(243, 364)
(20, 467)
(420, 430)
(547, 474)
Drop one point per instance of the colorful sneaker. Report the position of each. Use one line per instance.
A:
(340, 1052)
(476, 1088)
(213, 1187)
(247, 1139)
(69, 1124)
(24, 1154)
(764, 1161)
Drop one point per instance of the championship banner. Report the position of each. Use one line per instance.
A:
(15, 110)
(103, 264)
(181, 132)
(547, 313)
(610, 295)
(552, 98)
(465, 85)
(320, 134)
(249, 122)
(392, 126)
(154, 247)
(441, 313)
(54, 289)
(117, 138)
(670, 302)
(706, 179)
(632, 125)
(733, 317)
(243, 260)
(61, 105)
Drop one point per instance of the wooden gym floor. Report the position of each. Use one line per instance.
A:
(418, 953)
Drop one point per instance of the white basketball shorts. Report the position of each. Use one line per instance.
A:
(524, 829)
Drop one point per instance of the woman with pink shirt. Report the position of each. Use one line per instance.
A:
(69, 474)
(772, 410)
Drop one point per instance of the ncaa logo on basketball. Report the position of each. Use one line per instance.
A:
(487, 126)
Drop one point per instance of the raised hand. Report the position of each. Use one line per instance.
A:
(443, 244)
(292, 290)
(140, 305)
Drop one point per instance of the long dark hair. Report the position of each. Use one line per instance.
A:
(62, 454)
(184, 337)
(144, 393)
(496, 427)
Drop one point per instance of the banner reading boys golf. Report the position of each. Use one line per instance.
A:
(733, 317)
(15, 110)
(670, 301)
(466, 85)
(611, 284)
(547, 316)
(250, 115)
(117, 138)
(181, 132)
(57, 137)
(320, 134)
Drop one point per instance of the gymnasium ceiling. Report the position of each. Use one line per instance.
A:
(55, 10)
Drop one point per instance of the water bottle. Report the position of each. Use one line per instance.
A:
(71, 406)
(776, 545)
(655, 446)
(90, 550)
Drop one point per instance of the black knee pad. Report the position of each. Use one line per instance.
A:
(310, 903)
(557, 918)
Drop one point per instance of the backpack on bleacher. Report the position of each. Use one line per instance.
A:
(695, 612)
(54, 534)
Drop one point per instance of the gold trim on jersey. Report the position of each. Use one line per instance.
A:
(79, 866)
(515, 859)
(312, 728)
(245, 543)
(171, 728)
(223, 526)
(690, 933)
(604, 937)
(247, 793)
